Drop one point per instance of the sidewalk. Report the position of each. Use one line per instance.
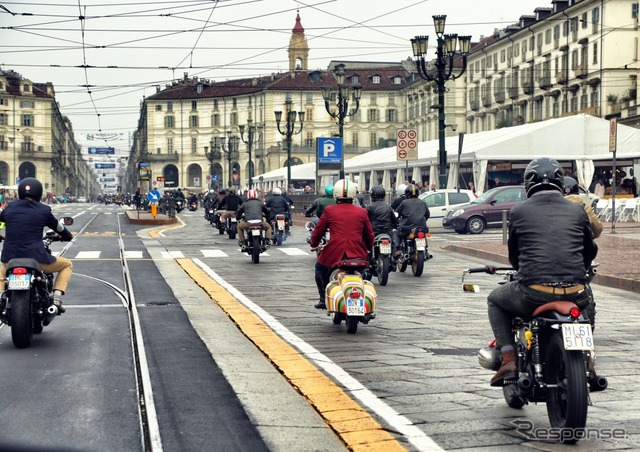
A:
(144, 217)
(618, 256)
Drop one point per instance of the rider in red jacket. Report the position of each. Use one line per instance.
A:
(351, 234)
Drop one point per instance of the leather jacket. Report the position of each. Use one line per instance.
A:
(412, 212)
(277, 204)
(252, 209)
(382, 218)
(230, 202)
(538, 259)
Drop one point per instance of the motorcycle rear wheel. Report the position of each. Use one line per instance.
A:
(21, 322)
(417, 266)
(383, 269)
(352, 325)
(255, 252)
(568, 403)
(279, 237)
(232, 231)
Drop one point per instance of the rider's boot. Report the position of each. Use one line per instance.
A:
(321, 292)
(508, 370)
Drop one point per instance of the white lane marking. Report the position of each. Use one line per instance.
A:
(414, 435)
(133, 254)
(214, 253)
(292, 251)
(55, 253)
(88, 255)
(172, 255)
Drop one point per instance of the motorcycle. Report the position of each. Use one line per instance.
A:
(380, 262)
(232, 225)
(27, 302)
(279, 228)
(415, 251)
(349, 297)
(310, 226)
(255, 241)
(552, 347)
(217, 221)
(193, 206)
(179, 205)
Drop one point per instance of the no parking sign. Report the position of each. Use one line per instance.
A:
(407, 144)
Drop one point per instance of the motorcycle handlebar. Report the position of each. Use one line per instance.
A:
(490, 269)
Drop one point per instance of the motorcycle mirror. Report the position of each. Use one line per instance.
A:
(474, 288)
(67, 221)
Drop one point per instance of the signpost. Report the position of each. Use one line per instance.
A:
(406, 147)
(613, 143)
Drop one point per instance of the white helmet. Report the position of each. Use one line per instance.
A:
(252, 194)
(344, 189)
(277, 191)
(401, 188)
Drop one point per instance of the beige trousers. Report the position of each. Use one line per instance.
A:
(62, 266)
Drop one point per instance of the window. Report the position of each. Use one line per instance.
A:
(392, 98)
(539, 43)
(169, 106)
(373, 98)
(3, 143)
(503, 55)
(595, 19)
(354, 139)
(397, 80)
(516, 50)
(27, 104)
(372, 115)
(565, 28)
(355, 79)
(27, 120)
(436, 200)
(216, 120)
(27, 145)
(373, 140)
(309, 97)
(375, 79)
(3, 119)
(634, 15)
(215, 104)
(194, 145)
(26, 88)
(458, 198)
(392, 115)
(170, 145)
(308, 141)
(169, 122)
(233, 119)
(583, 20)
(4, 101)
(159, 107)
(234, 103)
(547, 36)
(194, 105)
(193, 121)
(308, 114)
(595, 53)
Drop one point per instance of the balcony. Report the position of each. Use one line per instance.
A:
(527, 87)
(561, 77)
(500, 97)
(486, 101)
(217, 155)
(544, 82)
(169, 157)
(580, 71)
(513, 92)
(474, 104)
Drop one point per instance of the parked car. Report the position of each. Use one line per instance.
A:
(441, 201)
(484, 211)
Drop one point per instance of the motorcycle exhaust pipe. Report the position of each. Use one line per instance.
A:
(52, 312)
(598, 384)
(525, 383)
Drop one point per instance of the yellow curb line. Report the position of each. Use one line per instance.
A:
(353, 425)
(155, 233)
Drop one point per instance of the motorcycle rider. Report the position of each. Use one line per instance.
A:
(327, 200)
(383, 220)
(252, 209)
(401, 196)
(551, 246)
(25, 219)
(278, 205)
(231, 203)
(193, 199)
(351, 235)
(311, 211)
(412, 213)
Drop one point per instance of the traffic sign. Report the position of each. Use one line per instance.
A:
(407, 144)
(153, 195)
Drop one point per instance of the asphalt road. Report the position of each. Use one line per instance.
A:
(412, 370)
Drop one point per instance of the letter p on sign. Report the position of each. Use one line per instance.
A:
(328, 148)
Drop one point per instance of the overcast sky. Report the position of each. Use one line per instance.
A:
(130, 47)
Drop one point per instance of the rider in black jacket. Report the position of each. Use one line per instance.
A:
(230, 203)
(252, 209)
(381, 216)
(412, 213)
(551, 246)
(277, 204)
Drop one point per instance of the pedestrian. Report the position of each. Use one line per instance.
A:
(472, 187)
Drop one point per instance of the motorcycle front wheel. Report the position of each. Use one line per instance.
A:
(383, 269)
(417, 265)
(21, 322)
(255, 252)
(567, 403)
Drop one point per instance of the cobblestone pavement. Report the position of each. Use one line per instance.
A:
(618, 254)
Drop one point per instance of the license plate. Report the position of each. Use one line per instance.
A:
(19, 282)
(281, 224)
(255, 232)
(421, 244)
(577, 336)
(355, 306)
(385, 249)
(234, 220)
(210, 211)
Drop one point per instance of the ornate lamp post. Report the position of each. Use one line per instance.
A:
(228, 149)
(342, 104)
(445, 55)
(252, 137)
(211, 154)
(289, 130)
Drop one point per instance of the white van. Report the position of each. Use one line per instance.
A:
(441, 201)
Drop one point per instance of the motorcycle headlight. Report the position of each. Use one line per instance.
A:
(457, 212)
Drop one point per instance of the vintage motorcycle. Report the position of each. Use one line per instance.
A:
(380, 262)
(415, 251)
(552, 347)
(27, 302)
(310, 226)
(278, 228)
(255, 241)
(349, 297)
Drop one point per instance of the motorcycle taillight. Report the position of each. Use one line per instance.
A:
(420, 235)
(385, 242)
(574, 313)
(19, 271)
(354, 293)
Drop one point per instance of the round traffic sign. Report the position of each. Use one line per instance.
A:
(402, 144)
(402, 154)
(412, 144)
(412, 134)
(402, 134)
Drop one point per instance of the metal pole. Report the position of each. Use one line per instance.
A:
(341, 114)
(442, 153)
(250, 163)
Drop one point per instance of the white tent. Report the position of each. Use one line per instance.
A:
(278, 177)
(582, 138)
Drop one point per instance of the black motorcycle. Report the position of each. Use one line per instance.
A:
(255, 241)
(27, 303)
(279, 226)
(551, 347)
(415, 251)
(232, 225)
(380, 262)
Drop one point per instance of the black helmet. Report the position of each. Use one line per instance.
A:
(543, 174)
(223, 191)
(571, 186)
(31, 188)
(411, 191)
(377, 193)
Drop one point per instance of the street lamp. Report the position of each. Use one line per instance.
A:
(342, 104)
(231, 146)
(211, 154)
(445, 55)
(289, 131)
(251, 138)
